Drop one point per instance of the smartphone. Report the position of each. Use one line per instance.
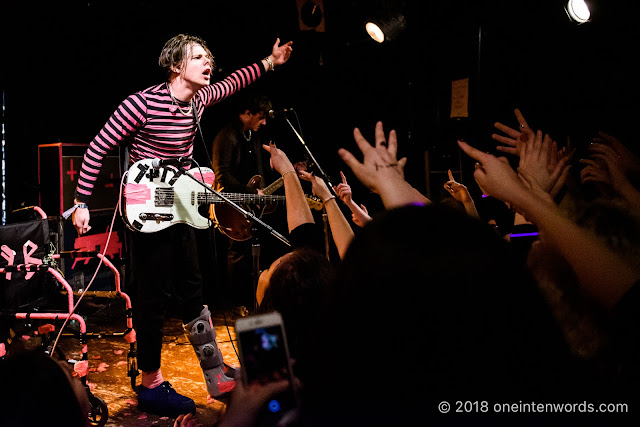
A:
(264, 357)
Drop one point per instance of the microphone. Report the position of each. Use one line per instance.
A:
(273, 113)
(179, 161)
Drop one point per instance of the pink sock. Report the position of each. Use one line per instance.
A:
(152, 379)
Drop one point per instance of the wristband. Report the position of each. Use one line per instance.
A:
(327, 201)
(66, 214)
(291, 171)
(270, 62)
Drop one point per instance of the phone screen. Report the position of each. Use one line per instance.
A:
(264, 359)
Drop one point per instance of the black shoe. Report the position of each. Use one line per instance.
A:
(164, 401)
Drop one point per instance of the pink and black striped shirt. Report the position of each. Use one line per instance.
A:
(154, 126)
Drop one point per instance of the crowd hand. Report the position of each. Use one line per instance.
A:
(359, 214)
(629, 162)
(604, 166)
(301, 166)
(279, 160)
(380, 168)
(280, 54)
(188, 420)
(539, 158)
(248, 400)
(343, 190)
(319, 188)
(458, 191)
(509, 141)
(80, 219)
(497, 177)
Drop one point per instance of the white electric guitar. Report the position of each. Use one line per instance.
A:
(155, 199)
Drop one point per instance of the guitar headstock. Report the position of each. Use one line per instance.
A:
(314, 202)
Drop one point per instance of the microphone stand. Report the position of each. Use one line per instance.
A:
(255, 247)
(315, 162)
(248, 215)
(326, 179)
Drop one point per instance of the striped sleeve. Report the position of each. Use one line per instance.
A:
(234, 82)
(126, 119)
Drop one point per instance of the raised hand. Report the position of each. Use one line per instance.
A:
(319, 188)
(494, 174)
(359, 214)
(511, 139)
(380, 171)
(279, 160)
(280, 54)
(604, 166)
(459, 191)
(629, 162)
(539, 158)
(343, 190)
(380, 166)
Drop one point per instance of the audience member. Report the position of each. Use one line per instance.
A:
(484, 332)
(604, 275)
(294, 284)
(38, 390)
(492, 329)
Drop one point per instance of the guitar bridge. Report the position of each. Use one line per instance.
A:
(157, 217)
(164, 197)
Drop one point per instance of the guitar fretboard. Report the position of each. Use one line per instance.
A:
(166, 197)
(257, 199)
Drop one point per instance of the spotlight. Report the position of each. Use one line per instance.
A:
(375, 32)
(386, 28)
(578, 11)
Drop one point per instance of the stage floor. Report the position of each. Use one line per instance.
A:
(107, 351)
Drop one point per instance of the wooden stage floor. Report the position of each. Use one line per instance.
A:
(107, 351)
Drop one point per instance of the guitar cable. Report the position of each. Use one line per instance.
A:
(212, 243)
(106, 246)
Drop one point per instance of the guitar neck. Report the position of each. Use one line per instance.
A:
(274, 186)
(249, 198)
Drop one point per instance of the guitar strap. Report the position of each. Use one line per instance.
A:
(258, 148)
(204, 144)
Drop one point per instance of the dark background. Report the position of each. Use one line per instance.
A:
(66, 65)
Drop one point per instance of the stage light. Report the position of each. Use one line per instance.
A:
(375, 32)
(386, 28)
(578, 11)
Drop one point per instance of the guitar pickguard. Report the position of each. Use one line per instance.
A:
(155, 199)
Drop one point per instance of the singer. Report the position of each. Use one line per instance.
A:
(161, 121)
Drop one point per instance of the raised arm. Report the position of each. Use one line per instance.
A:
(340, 228)
(602, 273)
(298, 211)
